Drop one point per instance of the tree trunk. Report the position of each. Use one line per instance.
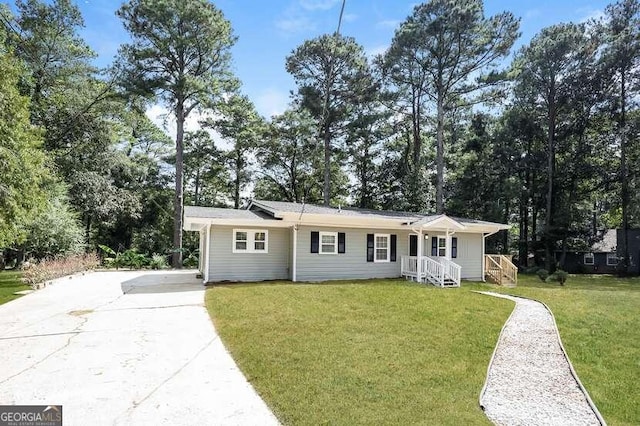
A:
(197, 187)
(87, 234)
(623, 268)
(327, 164)
(236, 183)
(550, 176)
(178, 201)
(440, 159)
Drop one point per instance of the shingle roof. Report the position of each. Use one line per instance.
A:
(607, 244)
(218, 213)
(288, 207)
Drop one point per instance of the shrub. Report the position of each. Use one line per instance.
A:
(158, 261)
(559, 276)
(543, 274)
(127, 259)
(49, 269)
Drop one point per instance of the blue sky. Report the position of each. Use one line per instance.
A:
(269, 30)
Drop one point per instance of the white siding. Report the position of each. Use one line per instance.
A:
(224, 265)
(349, 265)
(469, 253)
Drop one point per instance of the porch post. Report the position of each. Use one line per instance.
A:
(484, 236)
(294, 262)
(419, 260)
(207, 244)
(447, 248)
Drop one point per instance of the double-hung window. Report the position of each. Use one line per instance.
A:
(250, 241)
(328, 242)
(588, 259)
(612, 259)
(442, 246)
(381, 247)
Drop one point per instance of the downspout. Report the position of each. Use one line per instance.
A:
(207, 239)
(419, 260)
(294, 263)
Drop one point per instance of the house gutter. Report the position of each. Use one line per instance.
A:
(294, 262)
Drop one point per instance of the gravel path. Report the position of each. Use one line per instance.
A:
(530, 379)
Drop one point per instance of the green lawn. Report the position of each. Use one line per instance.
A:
(374, 352)
(10, 283)
(599, 322)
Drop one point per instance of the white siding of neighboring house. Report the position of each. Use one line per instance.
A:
(224, 265)
(350, 265)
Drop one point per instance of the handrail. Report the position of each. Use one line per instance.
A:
(435, 271)
(452, 269)
(498, 267)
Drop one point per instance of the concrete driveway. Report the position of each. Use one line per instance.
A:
(130, 348)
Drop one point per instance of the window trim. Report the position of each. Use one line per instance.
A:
(612, 256)
(251, 241)
(589, 255)
(375, 248)
(335, 242)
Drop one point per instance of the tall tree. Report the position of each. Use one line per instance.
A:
(180, 53)
(329, 70)
(449, 46)
(24, 164)
(290, 160)
(240, 125)
(621, 31)
(549, 70)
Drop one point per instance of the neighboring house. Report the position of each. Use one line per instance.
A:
(603, 256)
(289, 241)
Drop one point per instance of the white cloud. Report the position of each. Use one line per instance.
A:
(389, 23)
(349, 17)
(532, 13)
(318, 4)
(588, 14)
(294, 24)
(376, 50)
(271, 101)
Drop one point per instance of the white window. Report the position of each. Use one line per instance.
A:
(612, 259)
(588, 259)
(328, 242)
(442, 246)
(250, 241)
(381, 247)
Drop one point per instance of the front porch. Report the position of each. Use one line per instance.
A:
(440, 272)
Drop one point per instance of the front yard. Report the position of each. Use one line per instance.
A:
(393, 352)
(376, 352)
(10, 282)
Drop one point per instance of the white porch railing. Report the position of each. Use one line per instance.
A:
(441, 272)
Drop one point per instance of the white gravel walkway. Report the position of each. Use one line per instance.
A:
(530, 379)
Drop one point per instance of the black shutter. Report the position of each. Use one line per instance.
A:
(454, 247)
(370, 248)
(341, 242)
(315, 241)
(394, 241)
(413, 245)
(434, 246)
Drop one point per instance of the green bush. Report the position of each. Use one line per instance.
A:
(559, 276)
(127, 259)
(543, 274)
(158, 261)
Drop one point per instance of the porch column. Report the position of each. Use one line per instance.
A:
(419, 260)
(447, 249)
(294, 261)
(484, 236)
(207, 255)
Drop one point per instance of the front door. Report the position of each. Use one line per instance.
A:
(413, 245)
